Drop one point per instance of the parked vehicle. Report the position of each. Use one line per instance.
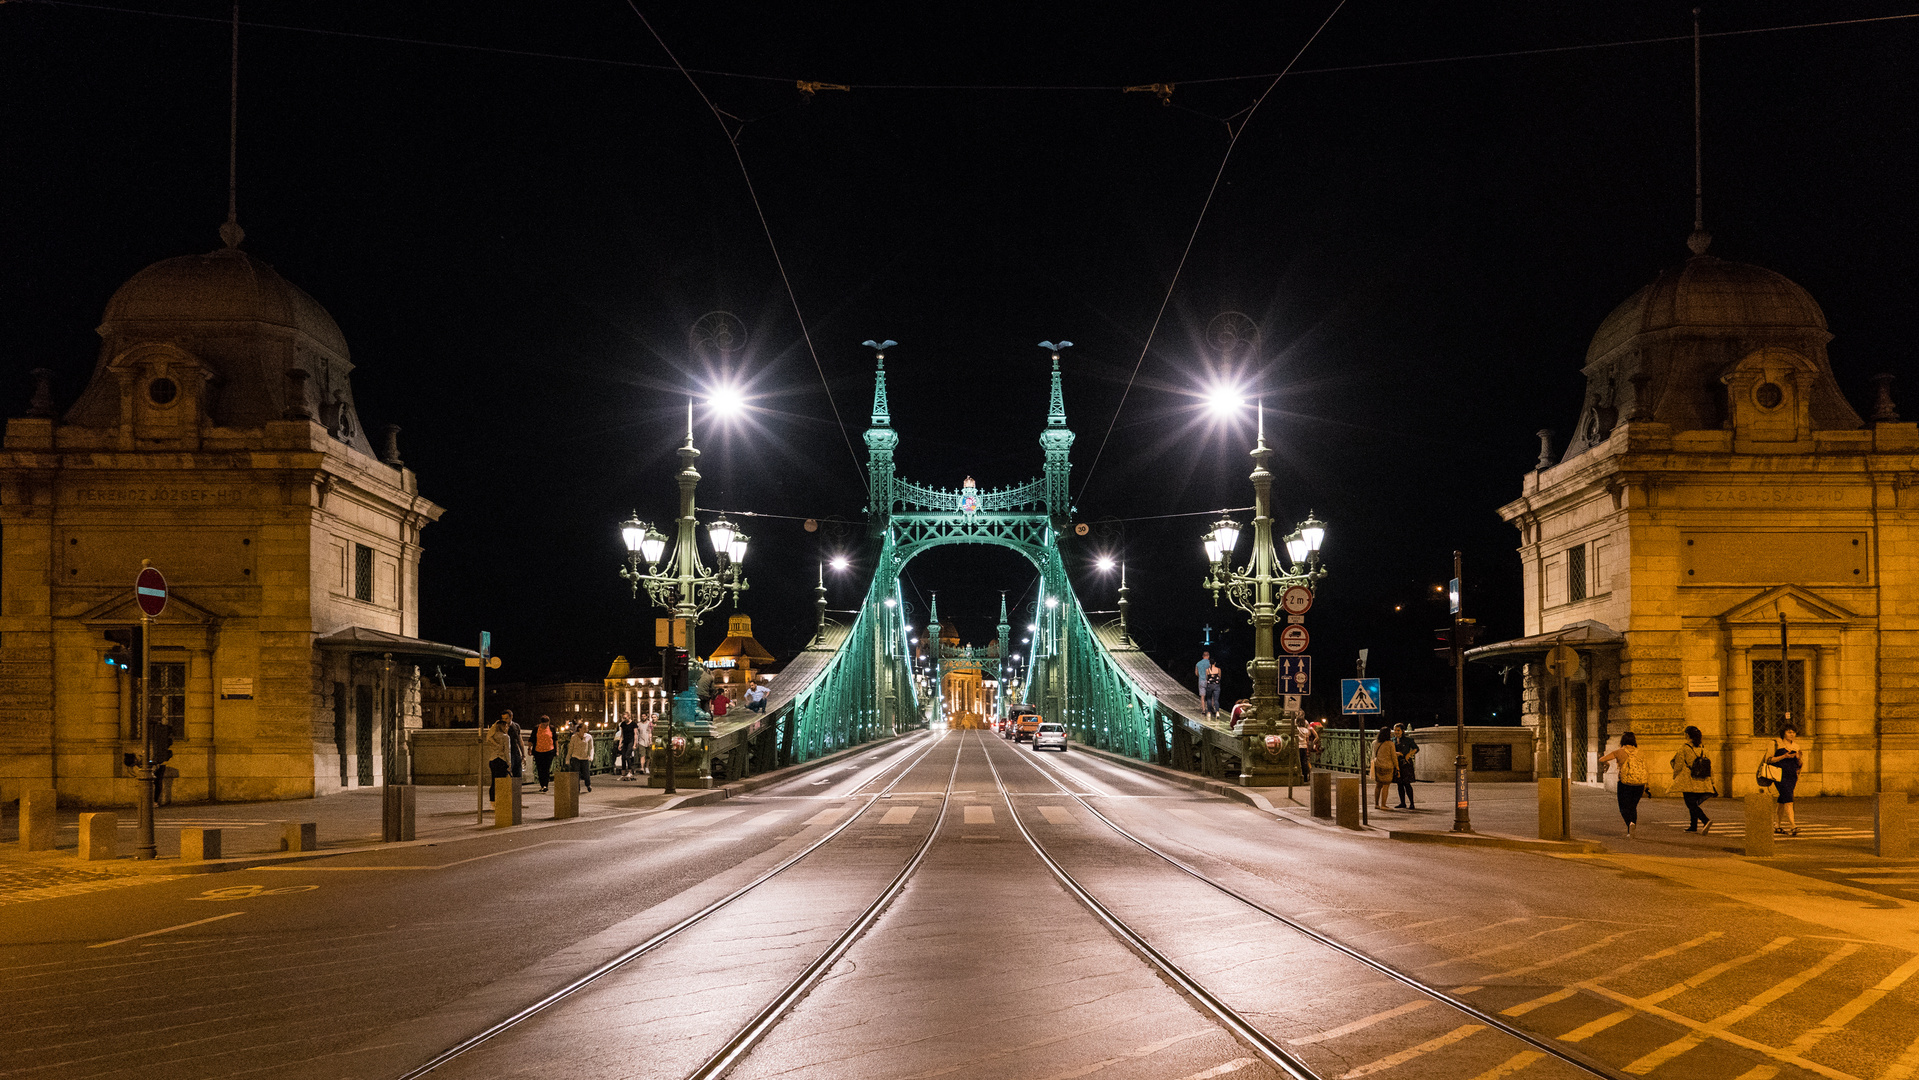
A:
(1050, 737)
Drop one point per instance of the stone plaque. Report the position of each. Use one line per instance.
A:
(236, 688)
(1770, 558)
(1492, 757)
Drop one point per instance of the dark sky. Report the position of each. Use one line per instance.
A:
(516, 245)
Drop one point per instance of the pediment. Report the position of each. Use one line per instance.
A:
(1800, 606)
(122, 611)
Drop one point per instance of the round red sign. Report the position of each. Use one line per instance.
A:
(1294, 638)
(150, 592)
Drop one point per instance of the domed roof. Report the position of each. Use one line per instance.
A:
(223, 285)
(1712, 295)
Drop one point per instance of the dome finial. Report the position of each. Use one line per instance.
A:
(230, 231)
(1700, 239)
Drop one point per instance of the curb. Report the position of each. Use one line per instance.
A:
(172, 866)
(1249, 796)
(1497, 840)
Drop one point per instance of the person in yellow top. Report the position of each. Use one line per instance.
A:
(1385, 764)
(1632, 778)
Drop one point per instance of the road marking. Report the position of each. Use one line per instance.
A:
(1511, 1065)
(1560, 995)
(1562, 957)
(1653, 1059)
(1907, 1064)
(1056, 815)
(1360, 1024)
(708, 819)
(1759, 1072)
(1427, 1047)
(768, 817)
(1846, 1013)
(1754, 1045)
(1588, 1030)
(1903, 879)
(1521, 943)
(244, 892)
(1232, 1066)
(168, 930)
(826, 817)
(1147, 1051)
(979, 815)
(899, 815)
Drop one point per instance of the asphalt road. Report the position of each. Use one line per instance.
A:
(367, 964)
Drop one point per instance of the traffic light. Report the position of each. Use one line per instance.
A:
(1468, 633)
(1465, 631)
(125, 651)
(1444, 644)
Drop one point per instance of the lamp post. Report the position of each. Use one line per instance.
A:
(1255, 590)
(684, 586)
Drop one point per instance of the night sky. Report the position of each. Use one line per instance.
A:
(516, 245)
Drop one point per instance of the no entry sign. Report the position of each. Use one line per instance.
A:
(150, 592)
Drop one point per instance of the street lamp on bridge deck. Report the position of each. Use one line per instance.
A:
(1255, 590)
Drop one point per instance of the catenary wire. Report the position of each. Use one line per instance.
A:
(1224, 159)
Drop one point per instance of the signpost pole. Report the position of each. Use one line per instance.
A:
(1462, 804)
(150, 596)
(1365, 749)
(479, 732)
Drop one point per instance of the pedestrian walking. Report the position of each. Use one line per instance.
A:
(1385, 766)
(543, 748)
(1308, 737)
(629, 736)
(579, 754)
(1632, 778)
(1212, 691)
(1405, 749)
(1692, 778)
(498, 757)
(645, 749)
(1785, 758)
(1200, 672)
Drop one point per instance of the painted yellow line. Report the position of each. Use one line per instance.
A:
(1907, 1064)
(1764, 1050)
(1653, 1059)
(1759, 1072)
(1589, 1029)
(1845, 1014)
(1427, 1047)
(167, 930)
(1560, 959)
(1511, 1065)
(1560, 995)
(1360, 1024)
(1553, 998)
(1232, 1066)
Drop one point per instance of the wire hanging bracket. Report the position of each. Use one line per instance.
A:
(1163, 90)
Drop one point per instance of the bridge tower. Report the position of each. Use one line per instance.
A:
(1006, 666)
(939, 654)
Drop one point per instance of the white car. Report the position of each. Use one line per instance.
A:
(1051, 736)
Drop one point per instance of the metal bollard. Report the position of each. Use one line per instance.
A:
(38, 807)
(1550, 815)
(396, 812)
(199, 845)
(299, 835)
(506, 802)
(1348, 787)
(566, 796)
(98, 835)
(1759, 811)
(1891, 825)
(1322, 794)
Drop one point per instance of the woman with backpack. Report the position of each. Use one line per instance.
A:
(1692, 778)
(1632, 778)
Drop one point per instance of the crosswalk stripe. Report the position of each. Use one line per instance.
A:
(1589, 1029)
(1653, 1059)
(1427, 1047)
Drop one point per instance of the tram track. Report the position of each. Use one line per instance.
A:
(1262, 1043)
(662, 937)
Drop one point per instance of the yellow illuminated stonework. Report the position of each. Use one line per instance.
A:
(1718, 490)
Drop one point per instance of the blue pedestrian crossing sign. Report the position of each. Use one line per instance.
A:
(1295, 674)
(1359, 697)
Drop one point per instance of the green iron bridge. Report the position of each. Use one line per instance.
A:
(855, 682)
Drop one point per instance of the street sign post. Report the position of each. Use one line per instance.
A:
(483, 661)
(1295, 675)
(150, 595)
(1294, 638)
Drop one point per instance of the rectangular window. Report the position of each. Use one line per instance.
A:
(1778, 701)
(167, 698)
(1576, 573)
(363, 573)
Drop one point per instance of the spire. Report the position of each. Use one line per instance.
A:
(230, 231)
(1056, 402)
(1700, 239)
(1003, 624)
(882, 414)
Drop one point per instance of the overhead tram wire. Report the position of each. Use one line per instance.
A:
(746, 175)
(960, 87)
(1224, 159)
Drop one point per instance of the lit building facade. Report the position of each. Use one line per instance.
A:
(1726, 544)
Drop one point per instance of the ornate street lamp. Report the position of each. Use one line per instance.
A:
(683, 585)
(1255, 589)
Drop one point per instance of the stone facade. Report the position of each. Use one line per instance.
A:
(1720, 492)
(218, 439)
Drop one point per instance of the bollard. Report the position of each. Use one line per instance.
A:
(1891, 825)
(1550, 817)
(1348, 787)
(396, 812)
(37, 810)
(1759, 811)
(1322, 794)
(299, 836)
(566, 796)
(98, 835)
(199, 845)
(506, 805)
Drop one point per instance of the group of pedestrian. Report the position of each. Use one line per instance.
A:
(505, 749)
(1206, 676)
(1393, 754)
(1692, 778)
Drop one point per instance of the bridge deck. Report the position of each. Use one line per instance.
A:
(785, 685)
(1172, 697)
